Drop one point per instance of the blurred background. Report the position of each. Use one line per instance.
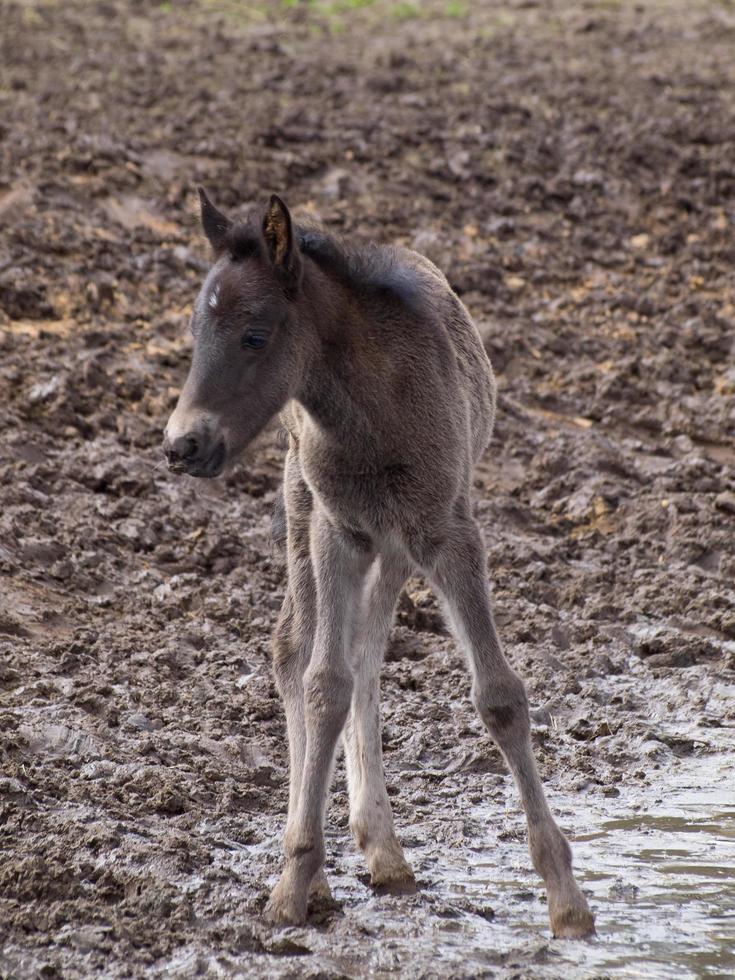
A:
(571, 167)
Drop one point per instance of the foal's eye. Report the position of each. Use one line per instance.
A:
(254, 341)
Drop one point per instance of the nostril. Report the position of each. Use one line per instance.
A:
(181, 449)
(189, 447)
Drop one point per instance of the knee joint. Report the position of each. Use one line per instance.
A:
(328, 693)
(359, 830)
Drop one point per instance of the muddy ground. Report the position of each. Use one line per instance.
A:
(571, 166)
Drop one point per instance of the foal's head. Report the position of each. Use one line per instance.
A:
(247, 355)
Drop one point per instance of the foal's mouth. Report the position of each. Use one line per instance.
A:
(210, 467)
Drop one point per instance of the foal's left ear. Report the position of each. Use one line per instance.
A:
(283, 250)
(215, 224)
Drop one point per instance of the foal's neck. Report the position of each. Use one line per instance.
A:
(343, 374)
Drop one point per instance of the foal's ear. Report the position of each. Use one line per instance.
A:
(215, 224)
(282, 248)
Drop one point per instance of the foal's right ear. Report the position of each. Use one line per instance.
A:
(215, 224)
(281, 245)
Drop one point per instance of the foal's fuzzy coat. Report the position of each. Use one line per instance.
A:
(389, 400)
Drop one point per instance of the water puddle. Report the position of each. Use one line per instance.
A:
(657, 862)
(662, 887)
(658, 866)
(664, 879)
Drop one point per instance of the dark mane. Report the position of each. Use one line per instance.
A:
(367, 268)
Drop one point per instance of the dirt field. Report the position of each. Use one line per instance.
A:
(571, 166)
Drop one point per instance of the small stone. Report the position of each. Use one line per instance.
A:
(726, 501)
(100, 769)
(142, 723)
(623, 890)
(44, 390)
(62, 570)
(540, 716)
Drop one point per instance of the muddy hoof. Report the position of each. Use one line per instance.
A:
(397, 883)
(572, 922)
(397, 886)
(390, 874)
(322, 905)
(319, 890)
(283, 909)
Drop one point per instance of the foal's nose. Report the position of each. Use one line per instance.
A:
(181, 450)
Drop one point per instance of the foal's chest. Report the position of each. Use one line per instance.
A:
(350, 484)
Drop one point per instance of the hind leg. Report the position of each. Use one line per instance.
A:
(371, 818)
(500, 698)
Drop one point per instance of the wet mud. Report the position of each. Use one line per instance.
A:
(571, 166)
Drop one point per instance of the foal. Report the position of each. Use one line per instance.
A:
(389, 400)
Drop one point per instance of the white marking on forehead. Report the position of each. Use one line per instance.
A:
(214, 297)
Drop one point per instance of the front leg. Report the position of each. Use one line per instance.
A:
(292, 645)
(371, 818)
(293, 639)
(340, 565)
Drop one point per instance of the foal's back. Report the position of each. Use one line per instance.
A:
(408, 349)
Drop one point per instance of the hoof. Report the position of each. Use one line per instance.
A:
(395, 878)
(284, 909)
(405, 885)
(319, 890)
(572, 921)
(322, 905)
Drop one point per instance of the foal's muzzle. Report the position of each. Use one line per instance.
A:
(194, 455)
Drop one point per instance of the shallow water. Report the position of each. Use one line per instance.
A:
(657, 863)
(657, 866)
(662, 885)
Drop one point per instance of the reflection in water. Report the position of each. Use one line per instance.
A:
(662, 885)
